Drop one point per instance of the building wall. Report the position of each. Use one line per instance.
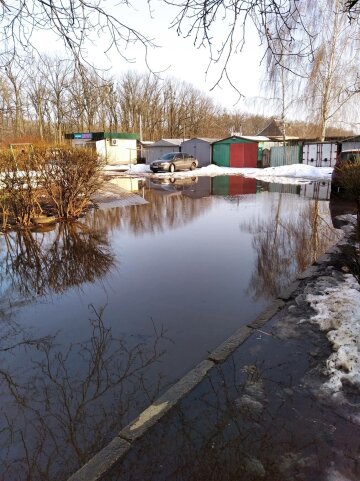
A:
(350, 145)
(200, 149)
(123, 153)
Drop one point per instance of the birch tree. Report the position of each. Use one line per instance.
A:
(333, 74)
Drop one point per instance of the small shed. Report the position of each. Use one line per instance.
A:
(160, 147)
(118, 148)
(199, 147)
(235, 151)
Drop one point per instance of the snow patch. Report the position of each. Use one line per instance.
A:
(338, 313)
(286, 174)
(138, 169)
(128, 169)
(294, 170)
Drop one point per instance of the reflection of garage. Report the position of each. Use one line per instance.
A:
(233, 185)
(235, 152)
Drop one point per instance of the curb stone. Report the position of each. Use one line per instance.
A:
(164, 403)
(102, 462)
(271, 310)
(222, 352)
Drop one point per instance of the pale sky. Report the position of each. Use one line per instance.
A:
(176, 57)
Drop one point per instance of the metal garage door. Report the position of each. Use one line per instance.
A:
(244, 154)
(221, 155)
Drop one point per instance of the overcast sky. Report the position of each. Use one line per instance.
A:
(176, 56)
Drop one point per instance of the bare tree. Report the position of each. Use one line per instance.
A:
(74, 21)
(16, 77)
(333, 75)
(58, 76)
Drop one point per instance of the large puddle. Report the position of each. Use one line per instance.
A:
(99, 317)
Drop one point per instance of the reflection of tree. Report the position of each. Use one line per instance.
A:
(39, 263)
(253, 418)
(163, 211)
(73, 402)
(286, 245)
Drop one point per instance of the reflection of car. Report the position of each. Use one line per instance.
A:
(174, 181)
(345, 157)
(174, 161)
(173, 184)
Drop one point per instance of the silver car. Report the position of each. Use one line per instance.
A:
(174, 161)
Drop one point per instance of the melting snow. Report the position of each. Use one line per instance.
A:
(338, 313)
(286, 174)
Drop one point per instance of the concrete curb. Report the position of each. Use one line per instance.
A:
(112, 454)
(164, 403)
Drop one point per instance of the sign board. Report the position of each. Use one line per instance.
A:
(86, 136)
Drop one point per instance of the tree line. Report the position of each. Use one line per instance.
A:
(44, 97)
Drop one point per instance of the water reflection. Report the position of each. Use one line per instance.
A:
(286, 245)
(39, 263)
(64, 396)
(66, 403)
(255, 417)
(165, 210)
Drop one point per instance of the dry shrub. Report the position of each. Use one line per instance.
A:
(349, 179)
(66, 177)
(70, 177)
(20, 188)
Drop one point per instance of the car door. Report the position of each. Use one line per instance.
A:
(187, 161)
(179, 161)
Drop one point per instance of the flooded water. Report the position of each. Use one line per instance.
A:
(100, 316)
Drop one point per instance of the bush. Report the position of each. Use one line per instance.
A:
(349, 180)
(70, 177)
(20, 188)
(65, 177)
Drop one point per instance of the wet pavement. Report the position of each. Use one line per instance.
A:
(260, 415)
(101, 316)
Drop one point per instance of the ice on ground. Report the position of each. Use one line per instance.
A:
(338, 313)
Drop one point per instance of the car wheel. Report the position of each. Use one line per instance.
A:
(172, 168)
(193, 166)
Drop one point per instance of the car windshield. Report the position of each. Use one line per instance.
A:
(168, 156)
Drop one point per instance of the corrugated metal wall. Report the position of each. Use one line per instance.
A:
(290, 154)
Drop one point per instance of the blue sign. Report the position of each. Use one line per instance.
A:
(87, 136)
